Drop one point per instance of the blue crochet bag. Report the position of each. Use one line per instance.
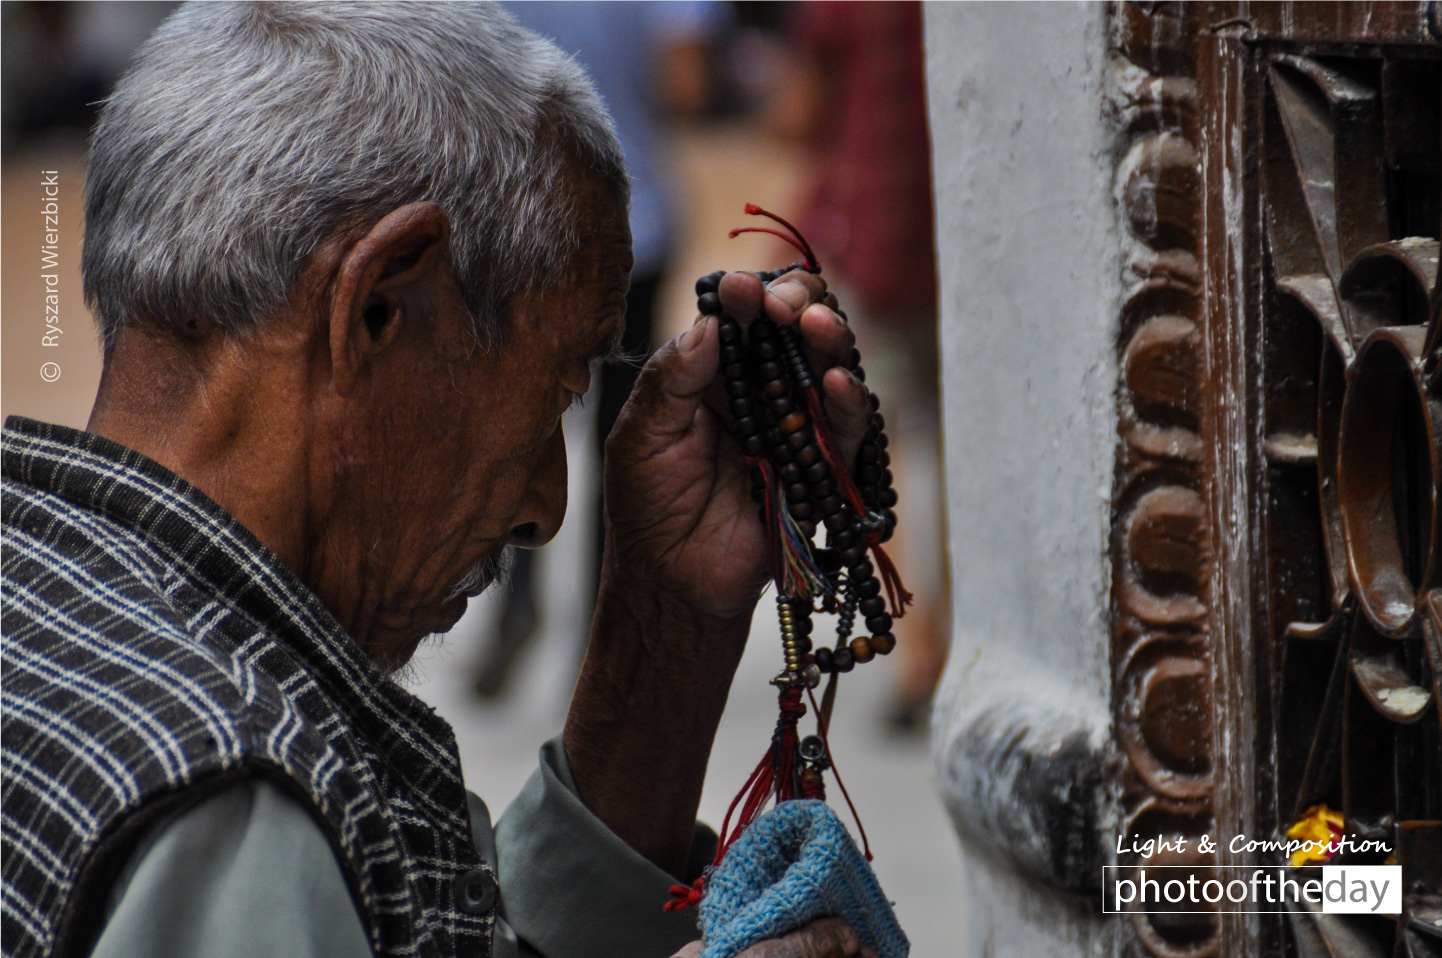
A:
(791, 866)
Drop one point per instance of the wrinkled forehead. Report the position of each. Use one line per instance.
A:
(602, 278)
(582, 314)
(602, 221)
(601, 267)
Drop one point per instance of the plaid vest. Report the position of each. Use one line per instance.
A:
(154, 653)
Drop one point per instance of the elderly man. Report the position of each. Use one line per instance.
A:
(351, 265)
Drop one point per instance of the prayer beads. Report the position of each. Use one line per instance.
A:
(774, 401)
(802, 484)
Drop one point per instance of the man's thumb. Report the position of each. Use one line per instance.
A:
(670, 389)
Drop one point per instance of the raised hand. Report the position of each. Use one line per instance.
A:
(686, 559)
(678, 497)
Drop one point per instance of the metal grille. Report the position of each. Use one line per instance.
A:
(1351, 408)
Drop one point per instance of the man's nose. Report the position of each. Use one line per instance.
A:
(543, 505)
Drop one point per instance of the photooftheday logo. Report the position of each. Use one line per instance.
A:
(1339, 889)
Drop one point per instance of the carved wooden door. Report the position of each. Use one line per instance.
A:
(1277, 550)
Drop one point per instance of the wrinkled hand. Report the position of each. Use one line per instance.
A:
(678, 494)
(827, 938)
(686, 559)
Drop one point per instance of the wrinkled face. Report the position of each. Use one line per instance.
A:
(468, 453)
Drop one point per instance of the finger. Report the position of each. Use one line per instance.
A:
(692, 950)
(789, 296)
(672, 386)
(741, 295)
(848, 410)
(716, 397)
(826, 938)
(827, 337)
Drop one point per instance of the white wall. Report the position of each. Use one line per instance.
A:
(1029, 256)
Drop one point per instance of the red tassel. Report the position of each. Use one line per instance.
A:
(762, 229)
(855, 816)
(755, 801)
(683, 896)
(773, 534)
(775, 773)
(788, 779)
(812, 263)
(896, 593)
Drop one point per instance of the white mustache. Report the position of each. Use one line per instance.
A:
(492, 570)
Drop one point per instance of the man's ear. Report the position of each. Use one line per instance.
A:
(396, 265)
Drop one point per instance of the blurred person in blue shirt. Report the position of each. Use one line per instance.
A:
(647, 60)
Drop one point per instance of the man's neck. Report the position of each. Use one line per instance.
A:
(229, 420)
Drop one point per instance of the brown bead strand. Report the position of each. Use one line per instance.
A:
(766, 376)
(790, 436)
(745, 424)
(790, 440)
(847, 535)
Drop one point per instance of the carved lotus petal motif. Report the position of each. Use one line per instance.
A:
(1161, 369)
(1160, 180)
(1167, 538)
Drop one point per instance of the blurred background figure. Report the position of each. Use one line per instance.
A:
(61, 58)
(57, 60)
(854, 91)
(650, 61)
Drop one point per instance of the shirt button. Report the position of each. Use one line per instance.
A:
(476, 892)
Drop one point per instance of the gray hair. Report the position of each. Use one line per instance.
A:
(246, 134)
